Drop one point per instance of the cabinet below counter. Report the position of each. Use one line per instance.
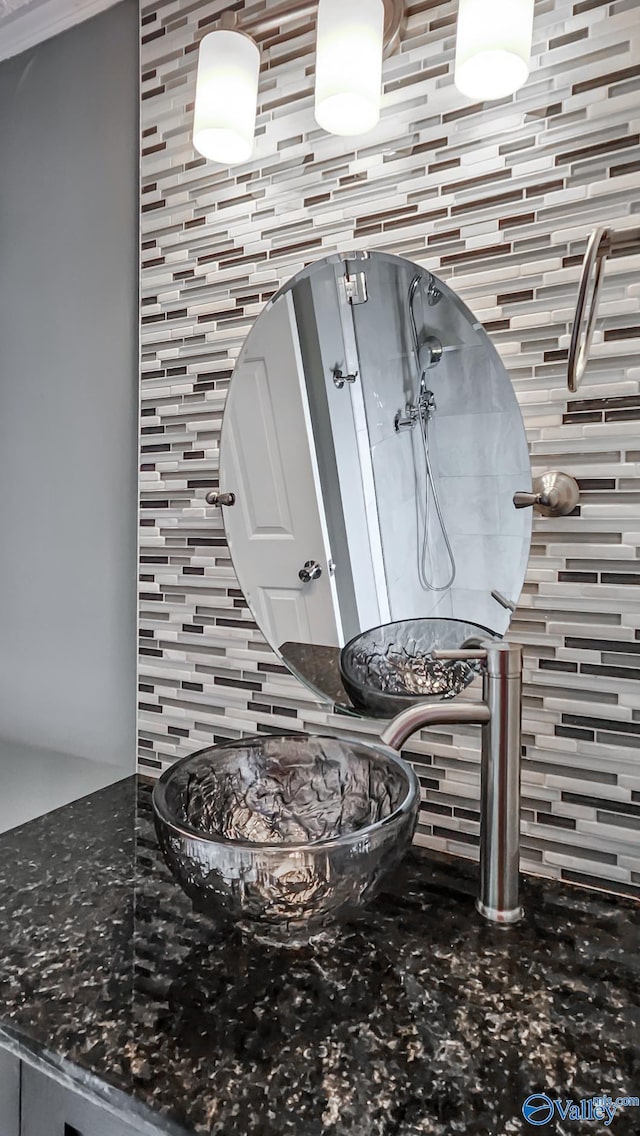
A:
(10, 1074)
(33, 1103)
(122, 1012)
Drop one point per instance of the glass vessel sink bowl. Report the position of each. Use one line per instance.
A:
(389, 668)
(285, 835)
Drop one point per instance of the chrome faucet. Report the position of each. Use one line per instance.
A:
(499, 714)
(422, 410)
(408, 420)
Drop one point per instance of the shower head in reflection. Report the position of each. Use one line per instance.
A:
(422, 412)
(430, 289)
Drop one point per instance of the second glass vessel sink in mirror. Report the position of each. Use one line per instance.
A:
(373, 442)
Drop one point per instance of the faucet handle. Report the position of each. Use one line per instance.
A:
(497, 656)
(472, 648)
(463, 653)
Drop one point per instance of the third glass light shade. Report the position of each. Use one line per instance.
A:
(493, 47)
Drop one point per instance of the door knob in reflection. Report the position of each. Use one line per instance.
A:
(310, 571)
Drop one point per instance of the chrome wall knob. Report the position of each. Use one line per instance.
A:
(555, 494)
(311, 571)
(214, 497)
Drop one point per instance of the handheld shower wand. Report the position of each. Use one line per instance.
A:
(422, 413)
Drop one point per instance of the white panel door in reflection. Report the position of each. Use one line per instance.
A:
(268, 462)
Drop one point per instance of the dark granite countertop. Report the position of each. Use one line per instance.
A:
(421, 1019)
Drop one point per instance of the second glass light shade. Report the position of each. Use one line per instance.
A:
(226, 97)
(349, 65)
(493, 47)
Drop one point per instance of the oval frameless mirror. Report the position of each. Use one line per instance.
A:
(373, 441)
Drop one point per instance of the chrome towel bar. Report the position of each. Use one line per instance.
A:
(602, 242)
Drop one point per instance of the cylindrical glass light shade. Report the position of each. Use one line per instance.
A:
(349, 65)
(493, 47)
(226, 97)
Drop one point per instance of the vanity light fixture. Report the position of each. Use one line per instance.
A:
(349, 65)
(353, 36)
(493, 47)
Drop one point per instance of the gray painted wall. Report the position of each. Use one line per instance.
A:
(68, 389)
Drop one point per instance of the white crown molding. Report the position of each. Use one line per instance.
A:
(24, 23)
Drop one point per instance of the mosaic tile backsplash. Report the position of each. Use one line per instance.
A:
(499, 200)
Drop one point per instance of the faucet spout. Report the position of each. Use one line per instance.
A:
(418, 717)
(499, 714)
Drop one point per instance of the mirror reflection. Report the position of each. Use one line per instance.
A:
(374, 443)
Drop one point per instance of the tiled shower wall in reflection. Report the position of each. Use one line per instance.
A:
(499, 201)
